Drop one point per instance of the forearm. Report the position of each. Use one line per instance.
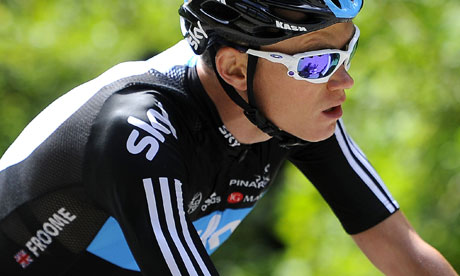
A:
(396, 249)
(430, 262)
(424, 260)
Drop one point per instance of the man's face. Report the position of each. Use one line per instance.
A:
(306, 110)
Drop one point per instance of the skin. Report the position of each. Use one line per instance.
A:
(300, 108)
(294, 106)
(395, 248)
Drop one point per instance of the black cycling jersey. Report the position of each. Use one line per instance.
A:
(135, 173)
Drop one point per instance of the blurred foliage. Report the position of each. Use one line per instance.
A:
(49, 47)
(403, 111)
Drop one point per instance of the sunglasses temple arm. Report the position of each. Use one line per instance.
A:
(273, 57)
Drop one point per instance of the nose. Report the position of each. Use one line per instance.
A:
(340, 80)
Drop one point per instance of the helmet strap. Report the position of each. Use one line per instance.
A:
(251, 111)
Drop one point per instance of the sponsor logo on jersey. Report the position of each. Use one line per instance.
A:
(252, 198)
(213, 199)
(23, 258)
(217, 227)
(196, 34)
(260, 181)
(51, 229)
(193, 205)
(238, 197)
(286, 26)
(230, 138)
(158, 126)
(235, 197)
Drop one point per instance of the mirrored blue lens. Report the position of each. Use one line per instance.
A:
(316, 67)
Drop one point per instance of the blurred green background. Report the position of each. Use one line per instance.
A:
(403, 112)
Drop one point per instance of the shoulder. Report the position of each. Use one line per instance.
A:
(138, 120)
(138, 134)
(149, 104)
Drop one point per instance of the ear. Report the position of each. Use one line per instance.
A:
(232, 67)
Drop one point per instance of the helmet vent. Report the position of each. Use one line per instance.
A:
(219, 12)
(337, 3)
(268, 32)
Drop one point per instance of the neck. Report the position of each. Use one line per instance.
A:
(230, 113)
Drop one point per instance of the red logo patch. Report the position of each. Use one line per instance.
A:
(235, 197)
(23, 259)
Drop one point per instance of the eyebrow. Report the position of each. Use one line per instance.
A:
(315, 45)
(320, 46)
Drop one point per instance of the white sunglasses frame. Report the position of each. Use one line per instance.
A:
(291, 62)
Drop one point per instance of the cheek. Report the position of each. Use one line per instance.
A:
(291, 104)
(269, 76)
(279, 95)
(271, 84)
(271, 93)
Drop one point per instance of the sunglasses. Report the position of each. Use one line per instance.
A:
(314, 66)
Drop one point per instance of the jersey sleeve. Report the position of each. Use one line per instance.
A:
(346, 180)
(137, 172)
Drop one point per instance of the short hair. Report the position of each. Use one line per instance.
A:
(207, 58)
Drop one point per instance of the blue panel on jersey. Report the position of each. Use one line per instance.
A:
(192, 61)
(216, 227)
(110, 244)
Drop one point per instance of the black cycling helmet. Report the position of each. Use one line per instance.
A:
(253, 23)
(259, 22)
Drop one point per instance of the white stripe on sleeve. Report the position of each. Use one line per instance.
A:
(169, 214)
(154, 220)
(362, 174)
(185, 230)
(360, 155)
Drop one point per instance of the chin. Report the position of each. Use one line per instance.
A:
(318, 135)
(318, 138)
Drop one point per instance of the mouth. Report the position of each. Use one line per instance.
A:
(334, 112)
(331, 109)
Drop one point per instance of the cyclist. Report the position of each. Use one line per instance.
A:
(148, 168)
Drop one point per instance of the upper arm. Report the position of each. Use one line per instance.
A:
(346, 180)
(138, 174)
